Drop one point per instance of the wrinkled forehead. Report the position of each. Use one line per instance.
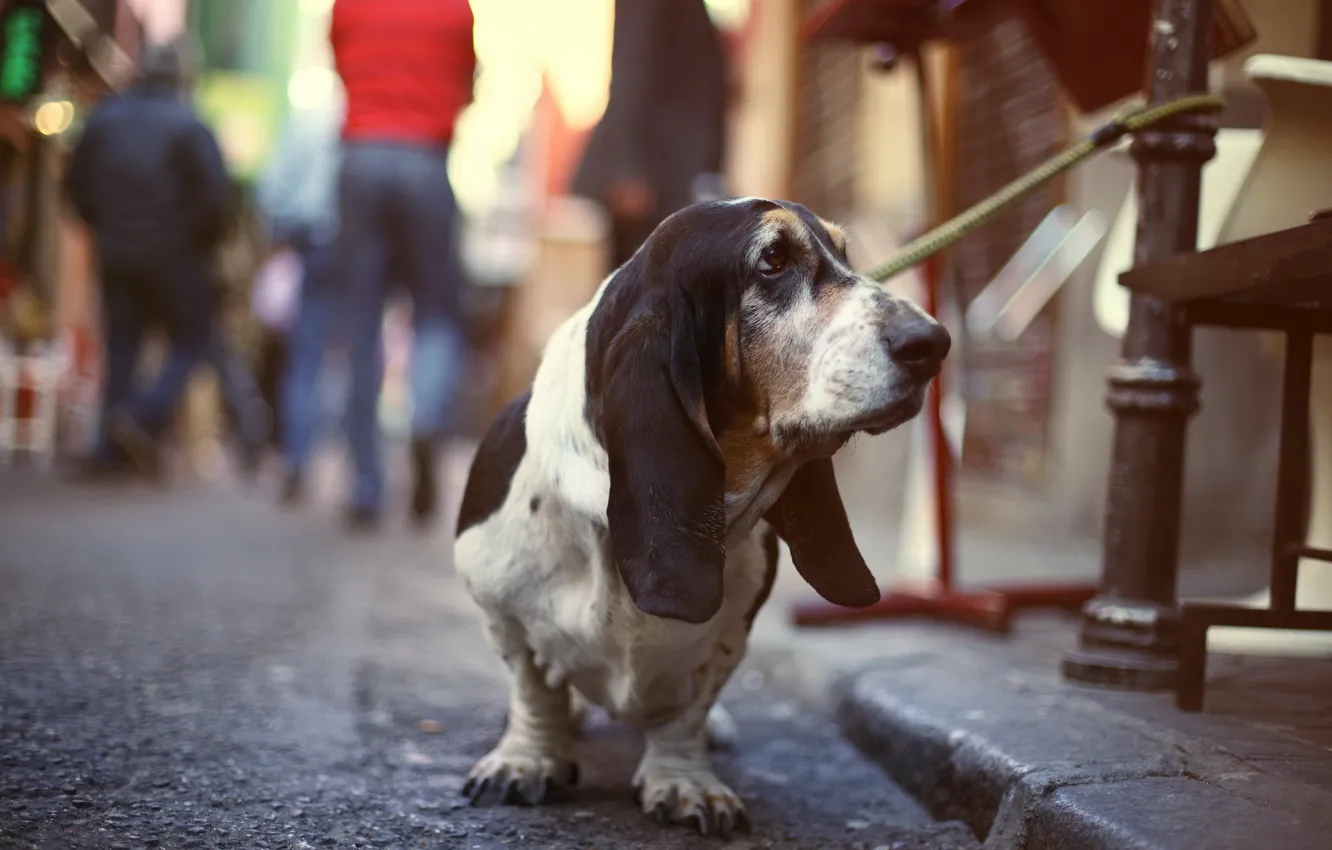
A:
(773, 221)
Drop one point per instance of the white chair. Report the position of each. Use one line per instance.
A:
(1223, 176)
(1289, 181)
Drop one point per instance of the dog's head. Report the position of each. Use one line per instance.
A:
(738, 341)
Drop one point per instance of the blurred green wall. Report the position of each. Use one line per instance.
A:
(247, 48)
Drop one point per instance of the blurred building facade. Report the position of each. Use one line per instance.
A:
(79, 51)
(833, 130)
(820, 122)
(59, 57)
(826, 124)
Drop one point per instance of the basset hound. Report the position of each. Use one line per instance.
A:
(620, 523)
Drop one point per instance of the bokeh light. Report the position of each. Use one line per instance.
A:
(517, 42)
(313, 87)
(53, 117)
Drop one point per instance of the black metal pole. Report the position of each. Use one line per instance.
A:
(1129, 635)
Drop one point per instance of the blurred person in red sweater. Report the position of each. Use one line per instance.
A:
(407, 67)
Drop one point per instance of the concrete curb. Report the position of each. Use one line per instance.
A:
(1029, 766)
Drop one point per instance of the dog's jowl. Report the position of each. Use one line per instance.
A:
(618, 524)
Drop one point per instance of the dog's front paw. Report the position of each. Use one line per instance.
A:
(520, 776)
(691, 796)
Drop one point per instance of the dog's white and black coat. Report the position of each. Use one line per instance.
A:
(619, 526)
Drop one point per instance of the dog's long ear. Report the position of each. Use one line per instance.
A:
(666, 512)
(811, 518)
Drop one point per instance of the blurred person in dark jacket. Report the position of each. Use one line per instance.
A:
(148, 178)
(661, 138)
(407, 67)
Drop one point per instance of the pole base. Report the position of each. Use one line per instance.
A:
(991, 609)
(1122, 668)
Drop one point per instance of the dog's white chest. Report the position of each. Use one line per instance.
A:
(541, 569)
(590, 635)
(549, 573)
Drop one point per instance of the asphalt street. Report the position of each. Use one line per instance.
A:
(195, 668)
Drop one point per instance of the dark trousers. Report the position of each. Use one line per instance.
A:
(137, 299)
(272, 367)
(243, 401)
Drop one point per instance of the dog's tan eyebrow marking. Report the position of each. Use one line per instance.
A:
(836, 234)
(782, 220)
(776, 223)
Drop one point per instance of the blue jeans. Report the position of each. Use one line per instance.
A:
(319, 317)
(399, 223)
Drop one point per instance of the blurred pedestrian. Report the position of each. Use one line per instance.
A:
(148, 178)
(274, 301)
(249, 412)
(407, 67)
(298, 196)
(660, 142)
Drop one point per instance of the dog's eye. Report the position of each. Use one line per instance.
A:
(774, 258)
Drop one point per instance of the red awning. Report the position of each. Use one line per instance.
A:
(1097, 47)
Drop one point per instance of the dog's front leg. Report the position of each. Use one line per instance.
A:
(674, 781)
(536, 755)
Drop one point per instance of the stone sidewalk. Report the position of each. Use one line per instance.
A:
(984, 730)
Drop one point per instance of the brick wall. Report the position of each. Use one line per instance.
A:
(1010, 118)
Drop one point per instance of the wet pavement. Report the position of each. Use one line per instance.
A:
(195, 668)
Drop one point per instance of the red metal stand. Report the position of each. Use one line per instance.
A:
(991, 608)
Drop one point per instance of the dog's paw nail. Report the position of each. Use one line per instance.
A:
(724, 825)
(698, 822)
(476, 790)
(742, 822)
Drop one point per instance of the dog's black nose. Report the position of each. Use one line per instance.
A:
(919, 345)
